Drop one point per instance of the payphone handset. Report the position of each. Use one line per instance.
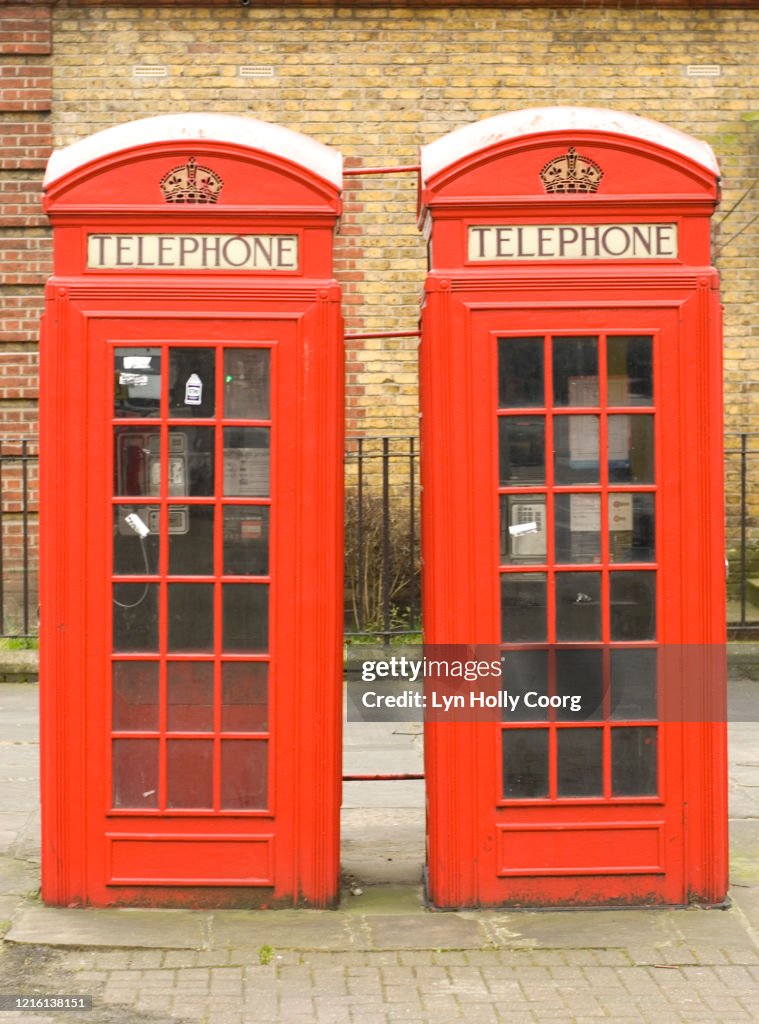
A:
(138, 468)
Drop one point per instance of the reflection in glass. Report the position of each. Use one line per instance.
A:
(525, 763)
(630, 369)
(245, 612)
(190, 617)
(191, 461)
(575, 371)
(633, 605)
(246, 383)
(520, 372)
(578, 606)
(189, 773)
(578, 527)
(135, 696)
(192, 382)
(244, 696)
(631, 527)
(633, 761)
(134, 769)
(633, 683)
(523, 607)
(189, 696)
(137, 382)
(246, 540)
(523, 528)
(133, 554)
(246, 462)
(135, 617)
(631, 449)
(521, 445)
(579, 767)
(244, 775)
(580, 673)
(525, 672)
(576, 449)
(136, 461)
(191, 540)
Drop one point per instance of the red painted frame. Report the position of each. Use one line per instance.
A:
(484, 850)
(287, 854)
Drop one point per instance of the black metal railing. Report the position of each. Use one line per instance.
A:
(382, 567)
(18, 538)
(382, 564)
(742, 533)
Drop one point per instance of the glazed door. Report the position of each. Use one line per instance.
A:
(586, 775)
(197, 710)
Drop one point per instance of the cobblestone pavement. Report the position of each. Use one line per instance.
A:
(583, 986)
(381, 959)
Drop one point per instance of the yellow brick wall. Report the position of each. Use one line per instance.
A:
(377, 83)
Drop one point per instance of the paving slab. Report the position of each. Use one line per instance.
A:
(581, 929)
(427, 931)
(285, 929)
(125, 927)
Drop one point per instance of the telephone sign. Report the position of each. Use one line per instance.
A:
(191, 408)
(572, 510)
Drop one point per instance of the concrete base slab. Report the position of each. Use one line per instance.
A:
(136, 929)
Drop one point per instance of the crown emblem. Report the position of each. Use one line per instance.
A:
(191, 184)
(571, 173)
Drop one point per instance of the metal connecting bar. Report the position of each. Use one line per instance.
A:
(354, 172)
(382, 334)
(386, 777)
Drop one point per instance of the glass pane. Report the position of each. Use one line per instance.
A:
(191, 461)
(246, 540)
(137, 382)
(632, 536)
(189, 696)
(135, 544)
(633, 605)
(135, 773)
(520, 372)
(525, 763)
(576, 449)
(191, 617)
(191, 540)
(631, 449)
(245, 617)
(189, 770)
(246, 383)
(136, 461)
(579, 681)
(525, 675)
(523, 528)
(135, 696)
(633, 761)
(578, 527)
(578, 606)
(633, 684)
(244, 696)
(630, 370)
(244, 775)
(579, 765)
(575, 371)
(246, 462)
(135, 617)
(191, 382)
(521, 446)
(523, 607)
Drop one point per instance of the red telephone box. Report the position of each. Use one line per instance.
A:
(572, 510)
(191, 430)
